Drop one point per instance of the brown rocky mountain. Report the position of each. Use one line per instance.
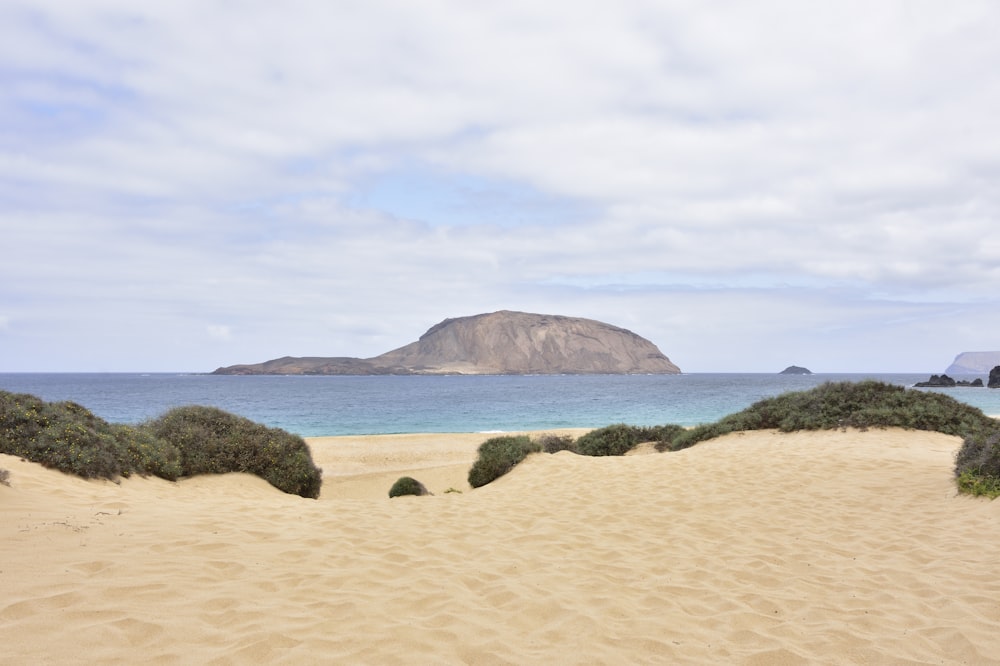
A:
(500, 343)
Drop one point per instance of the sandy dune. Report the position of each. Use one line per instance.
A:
(756, 548)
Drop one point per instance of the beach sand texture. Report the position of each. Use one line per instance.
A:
(756, 548)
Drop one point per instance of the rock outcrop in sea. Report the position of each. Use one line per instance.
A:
(795, 370)
(944, 381)
(499, 343)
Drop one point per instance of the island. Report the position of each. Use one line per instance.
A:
(974, 363)
(497, 343)
(795, 370)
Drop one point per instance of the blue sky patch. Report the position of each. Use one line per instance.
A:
(442, 198)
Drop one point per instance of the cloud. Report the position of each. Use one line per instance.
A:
(219, 332)
(332, 180)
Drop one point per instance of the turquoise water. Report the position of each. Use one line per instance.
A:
(313, 406)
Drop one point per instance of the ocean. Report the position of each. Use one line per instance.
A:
(340, 405)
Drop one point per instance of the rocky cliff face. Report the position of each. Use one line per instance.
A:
(498, 343)
(974, 363)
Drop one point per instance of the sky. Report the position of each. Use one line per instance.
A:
(748, 184)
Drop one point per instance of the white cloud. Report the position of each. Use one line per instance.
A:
(219, 332)
(664, 166)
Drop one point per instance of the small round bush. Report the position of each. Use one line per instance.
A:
(406, 485)
(499, 455)
(212, 441)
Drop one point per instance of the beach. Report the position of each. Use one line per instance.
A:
(839, 547)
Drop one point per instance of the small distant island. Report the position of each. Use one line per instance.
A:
(498, 343)
(795, 370)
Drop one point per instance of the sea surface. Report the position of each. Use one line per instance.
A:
(339, 405)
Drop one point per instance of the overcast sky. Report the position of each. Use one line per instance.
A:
(747, 184)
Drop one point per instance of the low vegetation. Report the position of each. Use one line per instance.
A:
(612, 440)
(68, 437)
(407, 485)
(187, 441)
(183, 442)
(557, 443)
(499, 455)
(833, 405)
(212, 441)
(977, 466)
(619, 439)
(863, 405)
(873, 404)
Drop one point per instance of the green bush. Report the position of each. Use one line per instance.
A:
(212, 441)
(873, 404)
(406, 485)
(556, 443)
(499, 455)
(183, 442)
(68, 437)
(612, 440)
(867, 404)
(977, 465)
(141, 452)
(619, 439)
(659, 434)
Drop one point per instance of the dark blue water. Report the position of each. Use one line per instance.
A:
(312, 406)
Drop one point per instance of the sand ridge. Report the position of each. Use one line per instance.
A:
(827, 547)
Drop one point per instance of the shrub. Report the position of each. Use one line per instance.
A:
(406, 485)
(212, 441)
(141, 452)
(556, 443)
(868, 404)
(612, 440)
(872, 404)
(976, 484)
(183, 442)
(499, 455)
(619, 439)
(63, 436)
(977, 465)
(660, 434)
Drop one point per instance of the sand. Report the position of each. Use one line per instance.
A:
(757, 548)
